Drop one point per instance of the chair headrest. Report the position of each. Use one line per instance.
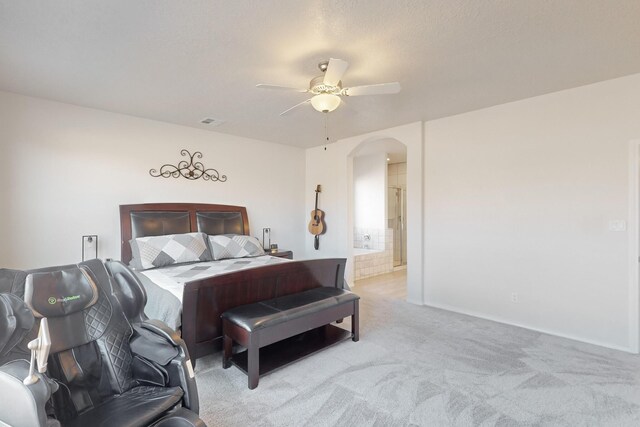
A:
(60, 292)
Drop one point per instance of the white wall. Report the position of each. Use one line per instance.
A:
(66, 169)
(518, 199)
(4, 186)
(369, 191)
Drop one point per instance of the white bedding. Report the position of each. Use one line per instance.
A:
(173, 278)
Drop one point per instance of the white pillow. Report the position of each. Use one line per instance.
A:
(234, 246)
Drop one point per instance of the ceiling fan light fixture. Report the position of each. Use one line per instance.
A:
(325, 102)
(326, 90)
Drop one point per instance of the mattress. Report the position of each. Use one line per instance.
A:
(165, 285)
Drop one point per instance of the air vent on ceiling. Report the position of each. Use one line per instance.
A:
(211, 121)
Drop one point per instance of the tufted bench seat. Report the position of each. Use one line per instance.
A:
(267, 322)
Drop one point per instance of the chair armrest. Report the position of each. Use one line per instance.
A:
(155, 341)
(23, 405)
(161, 329)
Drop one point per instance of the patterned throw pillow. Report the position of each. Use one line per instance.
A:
(158, 251)
(234, 246)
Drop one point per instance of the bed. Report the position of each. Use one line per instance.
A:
(204, 299)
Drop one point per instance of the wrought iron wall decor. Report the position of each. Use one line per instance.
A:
(191, 170)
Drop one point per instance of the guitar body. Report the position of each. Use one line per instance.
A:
(317, 225)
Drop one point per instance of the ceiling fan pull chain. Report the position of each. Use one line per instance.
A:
(326, 129)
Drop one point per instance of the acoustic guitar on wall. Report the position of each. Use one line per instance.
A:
(317, 225)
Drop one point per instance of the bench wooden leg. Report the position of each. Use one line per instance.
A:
(355, 319)
(228, 345)
(253, 362)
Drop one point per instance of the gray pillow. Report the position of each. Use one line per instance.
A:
(234, 246)
(160, 251)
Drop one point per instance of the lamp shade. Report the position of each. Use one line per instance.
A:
(325, 102)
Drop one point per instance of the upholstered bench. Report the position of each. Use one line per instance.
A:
(265, 323)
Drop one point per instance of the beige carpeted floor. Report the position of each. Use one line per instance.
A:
(428, 367)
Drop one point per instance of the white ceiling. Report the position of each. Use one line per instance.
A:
(179, 61)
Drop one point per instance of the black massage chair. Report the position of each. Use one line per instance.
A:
(108, 364)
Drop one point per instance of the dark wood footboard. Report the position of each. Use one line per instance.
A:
(205, 300)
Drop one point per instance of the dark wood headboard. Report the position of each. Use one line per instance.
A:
(155, 219)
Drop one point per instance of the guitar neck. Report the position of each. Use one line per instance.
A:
(318, 189)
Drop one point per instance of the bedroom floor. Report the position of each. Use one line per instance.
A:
(424, 366)
(390, 285)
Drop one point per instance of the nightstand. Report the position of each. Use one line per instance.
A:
(280, 254)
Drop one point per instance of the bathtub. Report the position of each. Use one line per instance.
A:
(371, 262)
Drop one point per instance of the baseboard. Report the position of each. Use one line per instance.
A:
(544, 331)
(417, 302)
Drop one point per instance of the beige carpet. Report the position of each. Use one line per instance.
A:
(428, 367)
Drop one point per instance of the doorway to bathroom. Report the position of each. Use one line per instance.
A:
(379, 217)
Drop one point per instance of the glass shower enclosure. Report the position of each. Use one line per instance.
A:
(397, 207)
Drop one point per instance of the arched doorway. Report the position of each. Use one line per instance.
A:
(411, 137)
(379, 216)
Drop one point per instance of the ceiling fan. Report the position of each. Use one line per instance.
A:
(327, 88)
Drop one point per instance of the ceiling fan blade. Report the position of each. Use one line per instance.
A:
(276, 87)
(295, 106)
(335, 70)
(379, 89)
